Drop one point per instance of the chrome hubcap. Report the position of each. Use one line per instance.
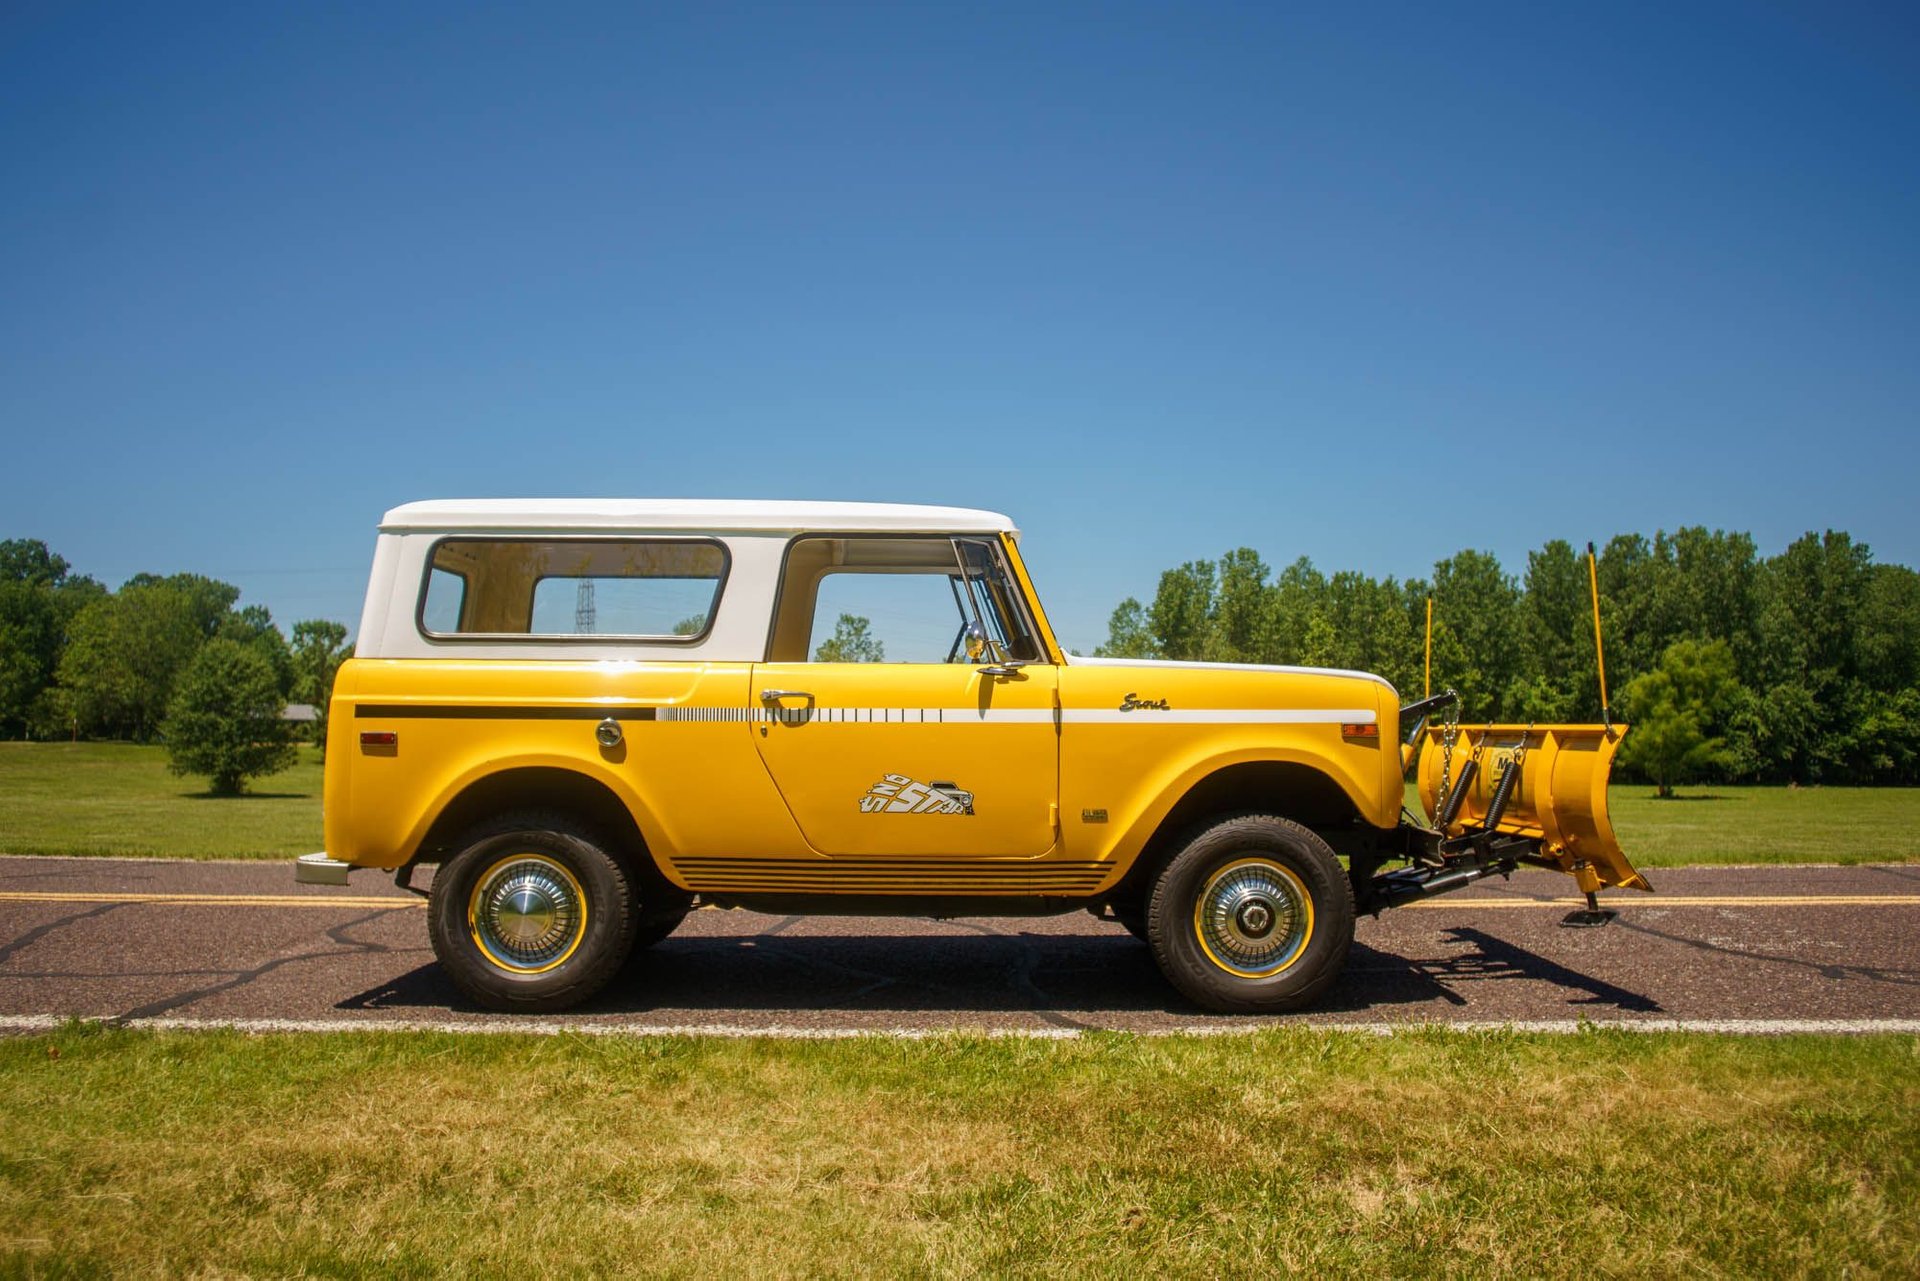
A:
(527, 913)
(1253, 917)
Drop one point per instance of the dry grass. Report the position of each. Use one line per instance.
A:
(1430, 1153)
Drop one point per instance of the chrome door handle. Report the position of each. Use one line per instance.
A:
(775, 695)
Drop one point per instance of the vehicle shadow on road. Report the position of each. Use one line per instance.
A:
(1052, 976)
(1453, 977)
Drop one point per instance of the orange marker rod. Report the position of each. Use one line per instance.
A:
(1599, 653)
(1429, 693)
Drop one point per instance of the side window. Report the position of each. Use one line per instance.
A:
(566, 588)
(602, 605)
(896, 600)
(883, 618)
(446, 593)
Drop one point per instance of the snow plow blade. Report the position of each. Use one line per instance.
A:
(1558, 800)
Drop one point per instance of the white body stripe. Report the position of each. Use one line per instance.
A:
(1000, 716)
(1070, 716)
(1222, 716)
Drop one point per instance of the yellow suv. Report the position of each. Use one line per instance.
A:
(595, 715)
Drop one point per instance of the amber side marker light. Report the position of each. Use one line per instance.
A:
(379, 738)
(1360, 733)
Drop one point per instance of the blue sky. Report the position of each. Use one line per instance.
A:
(1366, 283)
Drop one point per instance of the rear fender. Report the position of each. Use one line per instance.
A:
(451, 795)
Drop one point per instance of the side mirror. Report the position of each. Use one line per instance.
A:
(976, 642)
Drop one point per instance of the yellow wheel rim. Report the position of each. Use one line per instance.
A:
(527, 913)
(1253, 918)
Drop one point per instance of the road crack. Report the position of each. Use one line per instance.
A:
(39, 932)
(1025, 966)
(338, 934)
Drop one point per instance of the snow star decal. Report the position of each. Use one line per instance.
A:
(898, 794)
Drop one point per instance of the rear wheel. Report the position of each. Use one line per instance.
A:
(1254, 914)
(655, 925)
(534, 914)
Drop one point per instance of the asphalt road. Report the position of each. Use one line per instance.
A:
(147, 941)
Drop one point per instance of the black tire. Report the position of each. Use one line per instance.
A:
(1134, 917)
(500, 953)
(1278, 922)
(655, 926)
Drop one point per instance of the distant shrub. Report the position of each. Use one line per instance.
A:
(225, 718)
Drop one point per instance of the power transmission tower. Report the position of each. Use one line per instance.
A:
(583, 609)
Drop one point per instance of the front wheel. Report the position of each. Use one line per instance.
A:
(1253, 915)
(533, 915)
(1133, 916)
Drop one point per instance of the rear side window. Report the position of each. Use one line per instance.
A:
(653, 589)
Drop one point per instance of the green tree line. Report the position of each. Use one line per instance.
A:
(79, 660)
(1802, 667)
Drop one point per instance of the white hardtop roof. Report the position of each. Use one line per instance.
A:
(707, 515)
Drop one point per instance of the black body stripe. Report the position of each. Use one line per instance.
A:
(476, 712)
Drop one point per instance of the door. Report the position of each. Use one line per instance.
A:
(952, 752)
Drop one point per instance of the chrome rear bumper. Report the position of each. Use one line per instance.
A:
(318, 869)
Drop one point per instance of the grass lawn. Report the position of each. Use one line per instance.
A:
(1762, 824)
(1428, 1153)
(1767, 825)
(117, 798)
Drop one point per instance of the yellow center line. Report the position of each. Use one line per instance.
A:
(1668, 900)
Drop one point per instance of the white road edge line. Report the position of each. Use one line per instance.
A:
(29, 1023)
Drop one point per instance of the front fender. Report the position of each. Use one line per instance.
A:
(1356, 783)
